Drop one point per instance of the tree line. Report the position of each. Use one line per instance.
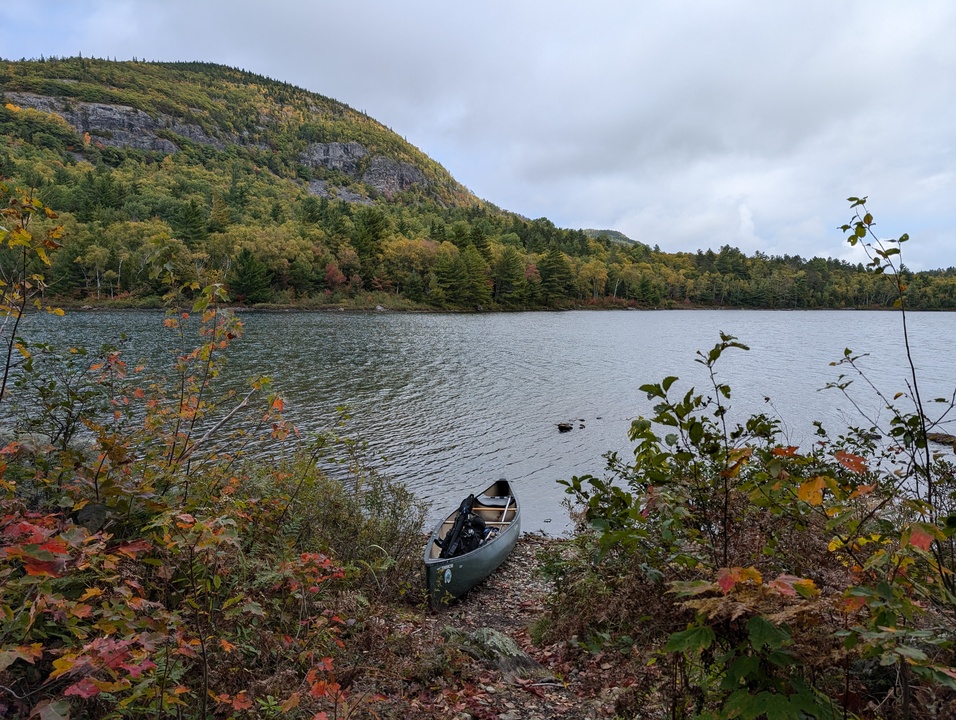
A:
(140, 224)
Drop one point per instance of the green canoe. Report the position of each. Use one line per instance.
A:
(448, 578)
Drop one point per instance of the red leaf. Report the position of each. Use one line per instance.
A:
(84, 689)
(40, 568)
(726, 578)
(853, 463)
(788, 451)
(920, 538)
(784, 585)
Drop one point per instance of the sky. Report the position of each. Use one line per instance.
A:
(683, 124)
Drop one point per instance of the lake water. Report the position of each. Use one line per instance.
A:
(452, 402)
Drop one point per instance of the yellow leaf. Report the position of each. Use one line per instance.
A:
(61, 666)
(806, 588)
(19, 236)
(811, 491)
(292, 702)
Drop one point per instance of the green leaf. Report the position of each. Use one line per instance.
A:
(52, 710)
(692, 640)
(763, 633)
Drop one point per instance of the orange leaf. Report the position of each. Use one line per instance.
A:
(853, 603)
(241, 701)
(806, 588)
(919, 537)
(862, 490)
(853, 463)
(226, 645)
(788, 451)
(91, 593)
(811, 491)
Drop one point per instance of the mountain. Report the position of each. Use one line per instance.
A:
(169, 177)
(165, 108)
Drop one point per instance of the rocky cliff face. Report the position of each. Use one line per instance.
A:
(385, 174)
(116, 125)
(126, 127)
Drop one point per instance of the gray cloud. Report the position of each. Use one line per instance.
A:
(683, 124)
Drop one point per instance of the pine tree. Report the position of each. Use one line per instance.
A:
(249, 279)
(556, 277)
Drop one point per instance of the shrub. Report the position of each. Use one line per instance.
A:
(793, 576)
(155, 571)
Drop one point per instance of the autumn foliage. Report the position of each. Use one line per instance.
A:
(741, 576)
(147, 568)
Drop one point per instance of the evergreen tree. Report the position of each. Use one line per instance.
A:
(507, 273)
(249, 279)
(189, 222)
(556, 278)
(477, 284)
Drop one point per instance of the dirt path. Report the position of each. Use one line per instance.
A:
(509, 602)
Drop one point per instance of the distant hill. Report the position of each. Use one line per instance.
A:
(613, 236)
(172, 176)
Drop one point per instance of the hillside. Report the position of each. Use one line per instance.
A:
(179, 175)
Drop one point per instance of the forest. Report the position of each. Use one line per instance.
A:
(216, 185)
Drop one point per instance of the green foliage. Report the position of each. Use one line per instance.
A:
(249, 279)
(789, 573)
(229, 170)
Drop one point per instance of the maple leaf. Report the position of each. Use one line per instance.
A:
(853, 603)
(241, 701)
(811, 492)
(853, 463)
(784, 585)
(861, 490)
(920, 536)
(91, 593)
(84, 689)
(788, 451)
(726, 578)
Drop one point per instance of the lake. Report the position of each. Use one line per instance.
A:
(450, 402)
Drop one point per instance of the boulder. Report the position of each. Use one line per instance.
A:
(496, 650)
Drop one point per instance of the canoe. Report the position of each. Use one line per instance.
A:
(449, 578)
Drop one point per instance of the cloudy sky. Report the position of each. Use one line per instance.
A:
(682, 124)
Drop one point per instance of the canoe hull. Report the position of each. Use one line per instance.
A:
(450, 578)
